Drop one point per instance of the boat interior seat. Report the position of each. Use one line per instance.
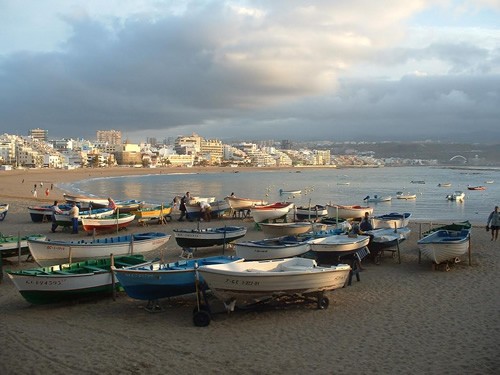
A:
(94, 269)
(62, 272)
(122, 264)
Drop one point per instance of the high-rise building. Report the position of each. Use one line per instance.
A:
(39, 134)
(112, 137)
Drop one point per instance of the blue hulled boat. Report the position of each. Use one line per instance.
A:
(158, 280)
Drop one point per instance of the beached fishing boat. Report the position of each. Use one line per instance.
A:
(391, 220)
(377, 199)
(127, 206)
(107, 223)
(456, 196)
(273, 248)
(217, 209)
(311, 213)
(341, 244)
(65, 221)
(47, 252)
(348, 212)
(16, 245)
(455, 227)
(156, 280)
(151, 212)
(39, 214)
(238, 203)
(261, 213)
(64, 282)
(247, 283)
(406, 196)
(4, 208)
(384, 238)
(444, 245)
(286, 229)
(86, 201)
(207, 237)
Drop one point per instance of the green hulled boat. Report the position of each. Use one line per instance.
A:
(70, 281)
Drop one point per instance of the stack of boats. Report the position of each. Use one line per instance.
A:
(72, 269)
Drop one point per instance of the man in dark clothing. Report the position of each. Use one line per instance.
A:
(182, 206)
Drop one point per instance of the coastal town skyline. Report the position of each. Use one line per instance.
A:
(251, 70)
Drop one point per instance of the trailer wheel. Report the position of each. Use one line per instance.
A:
(323, 303)
(201, 318)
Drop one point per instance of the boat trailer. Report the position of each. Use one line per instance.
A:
(205, 309)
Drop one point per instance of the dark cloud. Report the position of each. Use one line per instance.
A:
(227, 75)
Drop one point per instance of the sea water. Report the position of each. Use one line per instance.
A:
(346, 186)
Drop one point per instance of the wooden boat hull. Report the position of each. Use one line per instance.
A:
(271, 211)
(107, 223)
(158, 280)
(311, 213)
(86, 201)
(68, 281)
(49, 252)
(217, 209)
(442, 245)
(128, 206)
(272, 248)
(286, 229)
(348, 212)
(153, 212)
(39, 214)
(193, 238)
(65, 221)
(237, 203)
(392, 220)
(384, 238)
(339, 244)
(4, 209)
(248, 282)
(11, 246)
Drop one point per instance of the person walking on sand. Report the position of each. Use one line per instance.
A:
(35, 193)
(47, 192)
(494, 223)
(74, 212)
(182, 206)
(55, 210)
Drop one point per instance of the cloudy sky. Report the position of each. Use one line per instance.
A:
(266, 69)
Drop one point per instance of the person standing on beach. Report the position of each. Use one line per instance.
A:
(205, 210)
(47, 192)
(112, 204)
(74, 212)
(182, 206)
(55, 210)
(494, 223)
(366, 223)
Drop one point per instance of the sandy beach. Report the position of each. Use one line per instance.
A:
(399, 319)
